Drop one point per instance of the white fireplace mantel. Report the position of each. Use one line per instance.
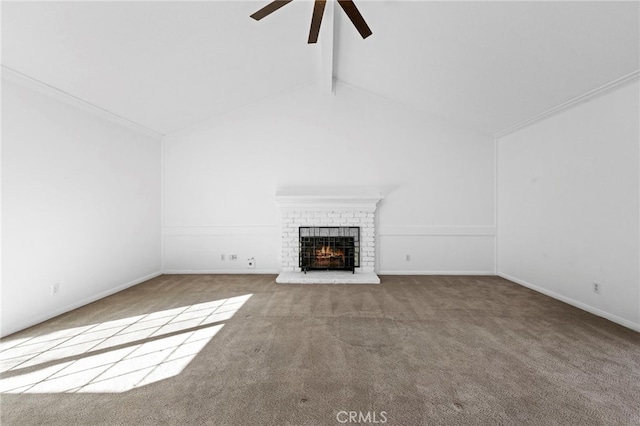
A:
(316, 202)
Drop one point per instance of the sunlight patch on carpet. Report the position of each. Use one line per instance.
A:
(113, 356)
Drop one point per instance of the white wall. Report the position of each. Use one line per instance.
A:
(221, 177)
(80, 207)
(568, 210)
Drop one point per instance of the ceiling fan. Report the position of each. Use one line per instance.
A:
(348, 6)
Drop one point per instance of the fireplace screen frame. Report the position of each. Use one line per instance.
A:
(313, 238)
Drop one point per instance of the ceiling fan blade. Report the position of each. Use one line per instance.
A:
(358, 21)
(269, 9)
(316, 20)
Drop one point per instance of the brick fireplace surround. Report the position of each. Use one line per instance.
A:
(301, 209)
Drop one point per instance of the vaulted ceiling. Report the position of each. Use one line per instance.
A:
(167, 65)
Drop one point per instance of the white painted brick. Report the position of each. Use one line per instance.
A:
(292, 220)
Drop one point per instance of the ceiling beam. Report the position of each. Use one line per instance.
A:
(326, 49)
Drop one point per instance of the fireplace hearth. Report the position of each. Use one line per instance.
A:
(328, 248)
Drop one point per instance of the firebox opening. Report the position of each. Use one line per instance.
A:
(329, 248)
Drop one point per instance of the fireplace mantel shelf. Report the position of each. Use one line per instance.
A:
(329, 202)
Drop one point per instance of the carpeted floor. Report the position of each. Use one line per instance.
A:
(242, 350)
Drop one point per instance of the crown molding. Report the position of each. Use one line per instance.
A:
(24, 80)
(585, 97)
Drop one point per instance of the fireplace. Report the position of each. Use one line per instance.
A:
(329, 248)
(330, 232)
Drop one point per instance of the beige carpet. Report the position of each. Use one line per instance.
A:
(242, 350)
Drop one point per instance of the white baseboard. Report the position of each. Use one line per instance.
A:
(75, 305)
(595, 311)
(436, 273)
(221, 271)
(276, 272)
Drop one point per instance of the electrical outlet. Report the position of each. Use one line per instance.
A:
(233, 257)
(596, 288)
(408, 258)
(222, 257)
(55, 288)
(251, 263)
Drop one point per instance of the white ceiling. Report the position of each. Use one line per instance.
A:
(167, 65)
(491, 65)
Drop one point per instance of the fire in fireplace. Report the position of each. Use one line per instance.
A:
(329, 248)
